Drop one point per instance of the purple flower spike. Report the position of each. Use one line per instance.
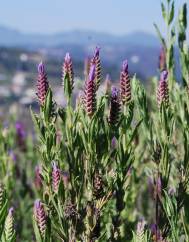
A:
(90, 93)
(96, 61)
(20, 135)
(114, 107)
(125, 85)
(163, 91)
(42, 84)
(56, 176)
(68, 71)
(40, 217)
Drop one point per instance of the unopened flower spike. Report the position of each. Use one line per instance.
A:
(97, 62)
(90, 93)
(40, 217)
(114, 107)
(9, 230)
(163, 91)
(42, 84)
(125, 85)
(68, 74)
(56, 176)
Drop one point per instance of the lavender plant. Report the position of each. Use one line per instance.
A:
(112, 167)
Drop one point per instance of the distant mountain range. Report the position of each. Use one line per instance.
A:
(13, 38)
(139, 48)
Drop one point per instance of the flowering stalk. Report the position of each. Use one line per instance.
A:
(96, 61)
(40, 217)
(107, 85)
(163, 91)
(162, 59)
(42, 84)
(68, 75)
(114, 107)
(56, 176)
(125, 85)
(90, 92)
(38, 178)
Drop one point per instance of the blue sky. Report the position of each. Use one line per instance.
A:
(113, 16)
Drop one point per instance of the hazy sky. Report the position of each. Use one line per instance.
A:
(113, 16)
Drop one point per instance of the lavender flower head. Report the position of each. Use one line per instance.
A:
(56, 176)
(40, 217)
(68, 71)
(42, 84)
(20, 135)
(114, 107)
(163, 91)
(96, 61)
(125, 85)
(90, 92)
